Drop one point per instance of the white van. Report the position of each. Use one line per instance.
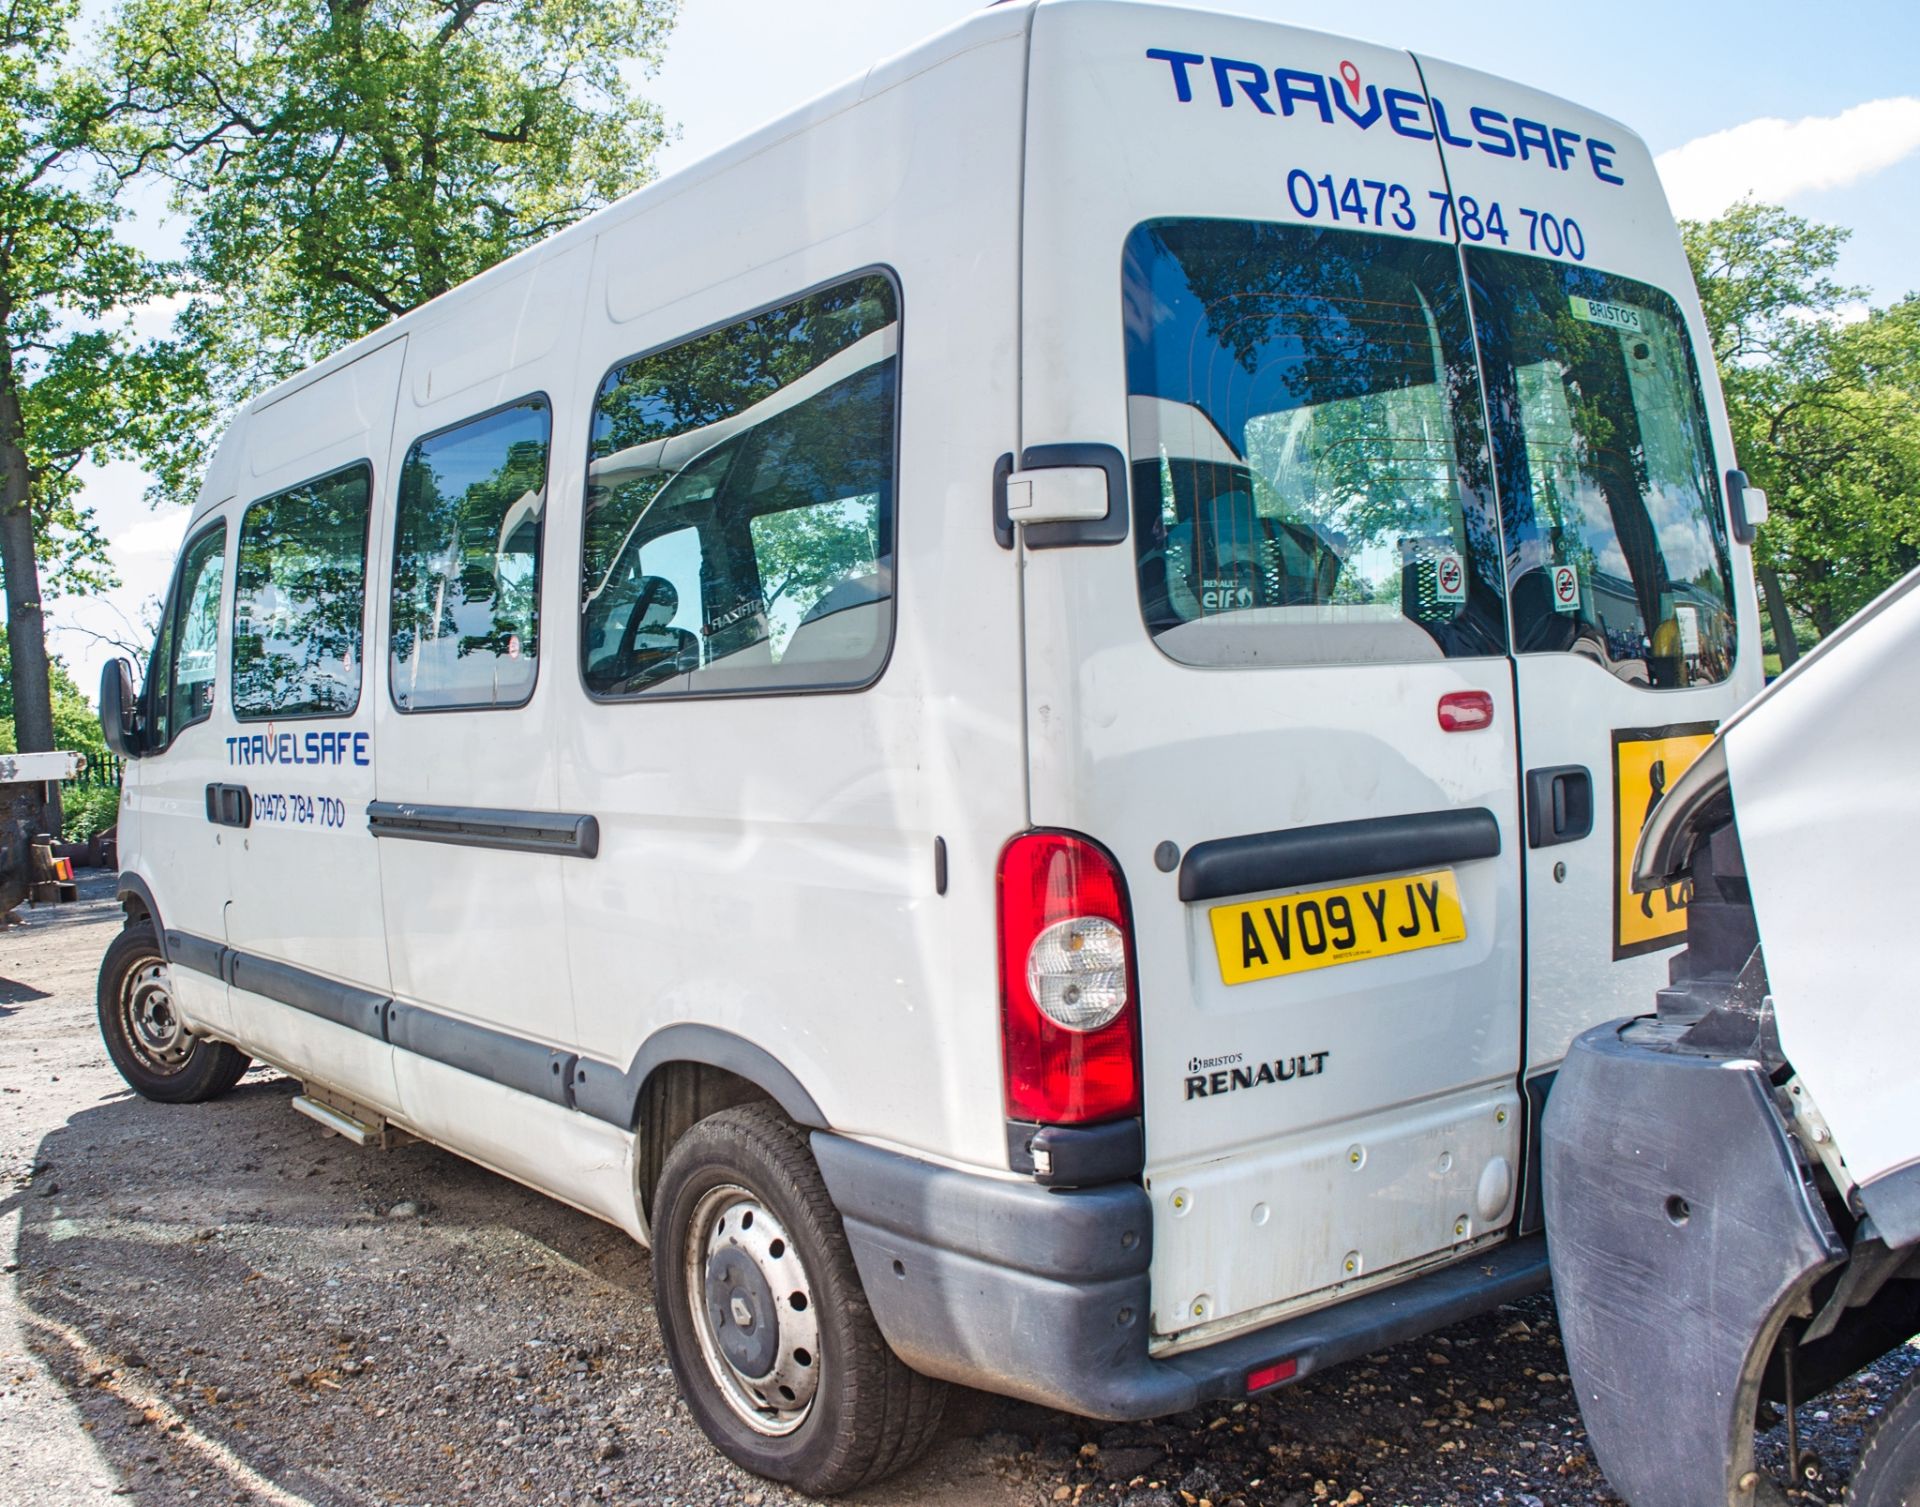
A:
(1008, 718)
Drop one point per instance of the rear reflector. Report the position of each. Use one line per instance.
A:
(1465, 711)
(1272, 1376)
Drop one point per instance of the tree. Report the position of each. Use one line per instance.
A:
(75, 725)
(341, 162)
(73, 384)
(1825, 411)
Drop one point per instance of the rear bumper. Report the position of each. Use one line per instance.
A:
(1043, 1295)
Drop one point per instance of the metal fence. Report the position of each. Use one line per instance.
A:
(103, 770)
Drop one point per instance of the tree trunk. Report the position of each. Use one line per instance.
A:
(1783, 638)
(26, 630)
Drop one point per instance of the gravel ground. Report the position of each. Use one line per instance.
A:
(221, 1303)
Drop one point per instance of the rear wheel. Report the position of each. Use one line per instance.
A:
(764, 1317)
(1888, 1474)
(145, 1036)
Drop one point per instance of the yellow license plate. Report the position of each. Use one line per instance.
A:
(1262, 939)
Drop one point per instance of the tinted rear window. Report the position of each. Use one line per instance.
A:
(1615, 527)
(1309, 462)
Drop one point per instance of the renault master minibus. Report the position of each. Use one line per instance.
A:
(1007, 719)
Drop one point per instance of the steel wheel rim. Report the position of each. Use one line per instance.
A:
(151, 1021)
(750, 1296)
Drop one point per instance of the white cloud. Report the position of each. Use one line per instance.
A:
(1772, 160)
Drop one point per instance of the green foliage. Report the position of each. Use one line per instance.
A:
(75, 724)
(1825, 410)
(341, 164)
(74, 383)
(87, 810)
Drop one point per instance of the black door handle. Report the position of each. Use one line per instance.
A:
(1559, 805)
(229, 806)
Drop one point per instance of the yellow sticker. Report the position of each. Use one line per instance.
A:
(1646, 763)
(1263, 939)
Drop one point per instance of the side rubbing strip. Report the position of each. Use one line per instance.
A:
(562, 832)
(185, 950)
(532, 1067)
(1336, 850)
(357, 1009)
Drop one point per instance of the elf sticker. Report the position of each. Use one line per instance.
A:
(1566, 589)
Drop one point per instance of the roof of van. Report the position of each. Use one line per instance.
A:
(998, 20)
(1002, 19)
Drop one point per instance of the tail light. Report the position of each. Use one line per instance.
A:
(1068, 986)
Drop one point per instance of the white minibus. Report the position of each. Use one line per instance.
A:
(1009, 719)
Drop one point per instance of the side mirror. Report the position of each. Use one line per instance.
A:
(118, 709)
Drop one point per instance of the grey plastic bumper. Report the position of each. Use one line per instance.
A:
(1043, 1294)
(1683, 1233)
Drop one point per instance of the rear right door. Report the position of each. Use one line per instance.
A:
(1635, 629)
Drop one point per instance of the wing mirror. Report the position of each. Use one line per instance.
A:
(119, 709)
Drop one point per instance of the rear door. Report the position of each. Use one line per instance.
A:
(1634, 619)
(1236, 276)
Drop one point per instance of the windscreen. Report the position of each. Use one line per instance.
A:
(1615, 530)
(1309, 464)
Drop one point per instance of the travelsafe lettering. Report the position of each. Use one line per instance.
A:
(1287, 91)
(330, 747)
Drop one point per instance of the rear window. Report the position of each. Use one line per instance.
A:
(1615, 527)
(1309, 473)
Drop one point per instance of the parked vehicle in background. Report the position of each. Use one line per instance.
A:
(1733, 1182)
(1007, 718)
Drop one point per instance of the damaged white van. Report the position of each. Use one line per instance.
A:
(1008, 718)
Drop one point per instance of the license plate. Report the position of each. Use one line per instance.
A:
(1262, 939)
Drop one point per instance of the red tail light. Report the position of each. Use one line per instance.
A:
(1068, 992)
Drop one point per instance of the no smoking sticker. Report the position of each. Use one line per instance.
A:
(1566, 589)
(1450, 578)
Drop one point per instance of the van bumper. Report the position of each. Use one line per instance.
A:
(1043, 1294)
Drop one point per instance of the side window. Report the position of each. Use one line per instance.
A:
(466, 562)
(188, 646)
(299, 588)
(740, 505)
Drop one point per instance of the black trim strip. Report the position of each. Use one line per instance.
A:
(1336, 850)
(197, 953)
(532, 1067)
(563, 832)
(605, 1092)
(357, 1009)
(594, 1088)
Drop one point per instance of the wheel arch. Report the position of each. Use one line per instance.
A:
(687, 1071)
(136, 899)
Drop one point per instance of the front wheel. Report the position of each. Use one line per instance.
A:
(1888, 1472)
(764, 1317)
(145, 1036)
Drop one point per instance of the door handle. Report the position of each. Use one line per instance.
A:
(229, 806)
(1559, 805)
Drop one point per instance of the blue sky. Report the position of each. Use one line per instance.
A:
(1677, 72)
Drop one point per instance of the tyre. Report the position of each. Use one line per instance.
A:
(145, 1036)
(1888, 1472)
(764, 1317)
